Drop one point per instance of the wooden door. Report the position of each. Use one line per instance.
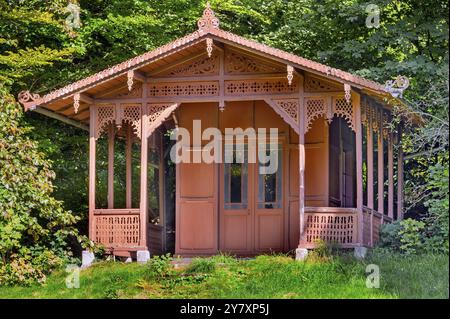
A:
(196, 213)
(251, 207)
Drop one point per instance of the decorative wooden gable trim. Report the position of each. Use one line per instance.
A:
(313, 84)
(200, 66)
(239, 63)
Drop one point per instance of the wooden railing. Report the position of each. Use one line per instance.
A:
(117, 228)
(372, 221)
(332, 225)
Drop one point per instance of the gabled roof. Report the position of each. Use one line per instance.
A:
(208, 27)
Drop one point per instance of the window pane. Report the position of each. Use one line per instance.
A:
(235, 184)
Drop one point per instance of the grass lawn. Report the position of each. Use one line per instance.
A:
(263, 277)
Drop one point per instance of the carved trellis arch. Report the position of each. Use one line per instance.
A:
(117, 114)
(316, 107)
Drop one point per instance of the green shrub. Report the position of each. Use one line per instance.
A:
(390, 236)
(160, 266)
(405, 236)
(411, 237)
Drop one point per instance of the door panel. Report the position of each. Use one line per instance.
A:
(269, 208)
(197, 217)
(236, 218)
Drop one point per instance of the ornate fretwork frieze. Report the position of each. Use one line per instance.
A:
(259, 86)
(184, 89)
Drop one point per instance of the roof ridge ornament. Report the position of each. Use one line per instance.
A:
(208, 19)
(397, 86)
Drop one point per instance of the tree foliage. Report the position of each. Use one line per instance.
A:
(34, 226)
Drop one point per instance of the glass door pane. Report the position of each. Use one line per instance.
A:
(270, 184)
(236, 182)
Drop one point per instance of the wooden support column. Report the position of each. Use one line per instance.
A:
(92, 151)
(400, 177)
(301, 157)
(370, 201)
(390, 176)
(129, 172)
(111, 133)
(143, 182)
(356, 100)
(380, 142)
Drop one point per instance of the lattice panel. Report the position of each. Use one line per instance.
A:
(236, 63)
(331, 228)
(132, 113)
(315, 108)
(117, 231)
(203, 65)
(106, 114)
(345, 110)
(184, 89)
(262, 86)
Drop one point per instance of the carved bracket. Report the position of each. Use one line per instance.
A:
(158, 113)
(287, 109)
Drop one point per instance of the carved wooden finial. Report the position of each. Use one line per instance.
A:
(208, 19)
